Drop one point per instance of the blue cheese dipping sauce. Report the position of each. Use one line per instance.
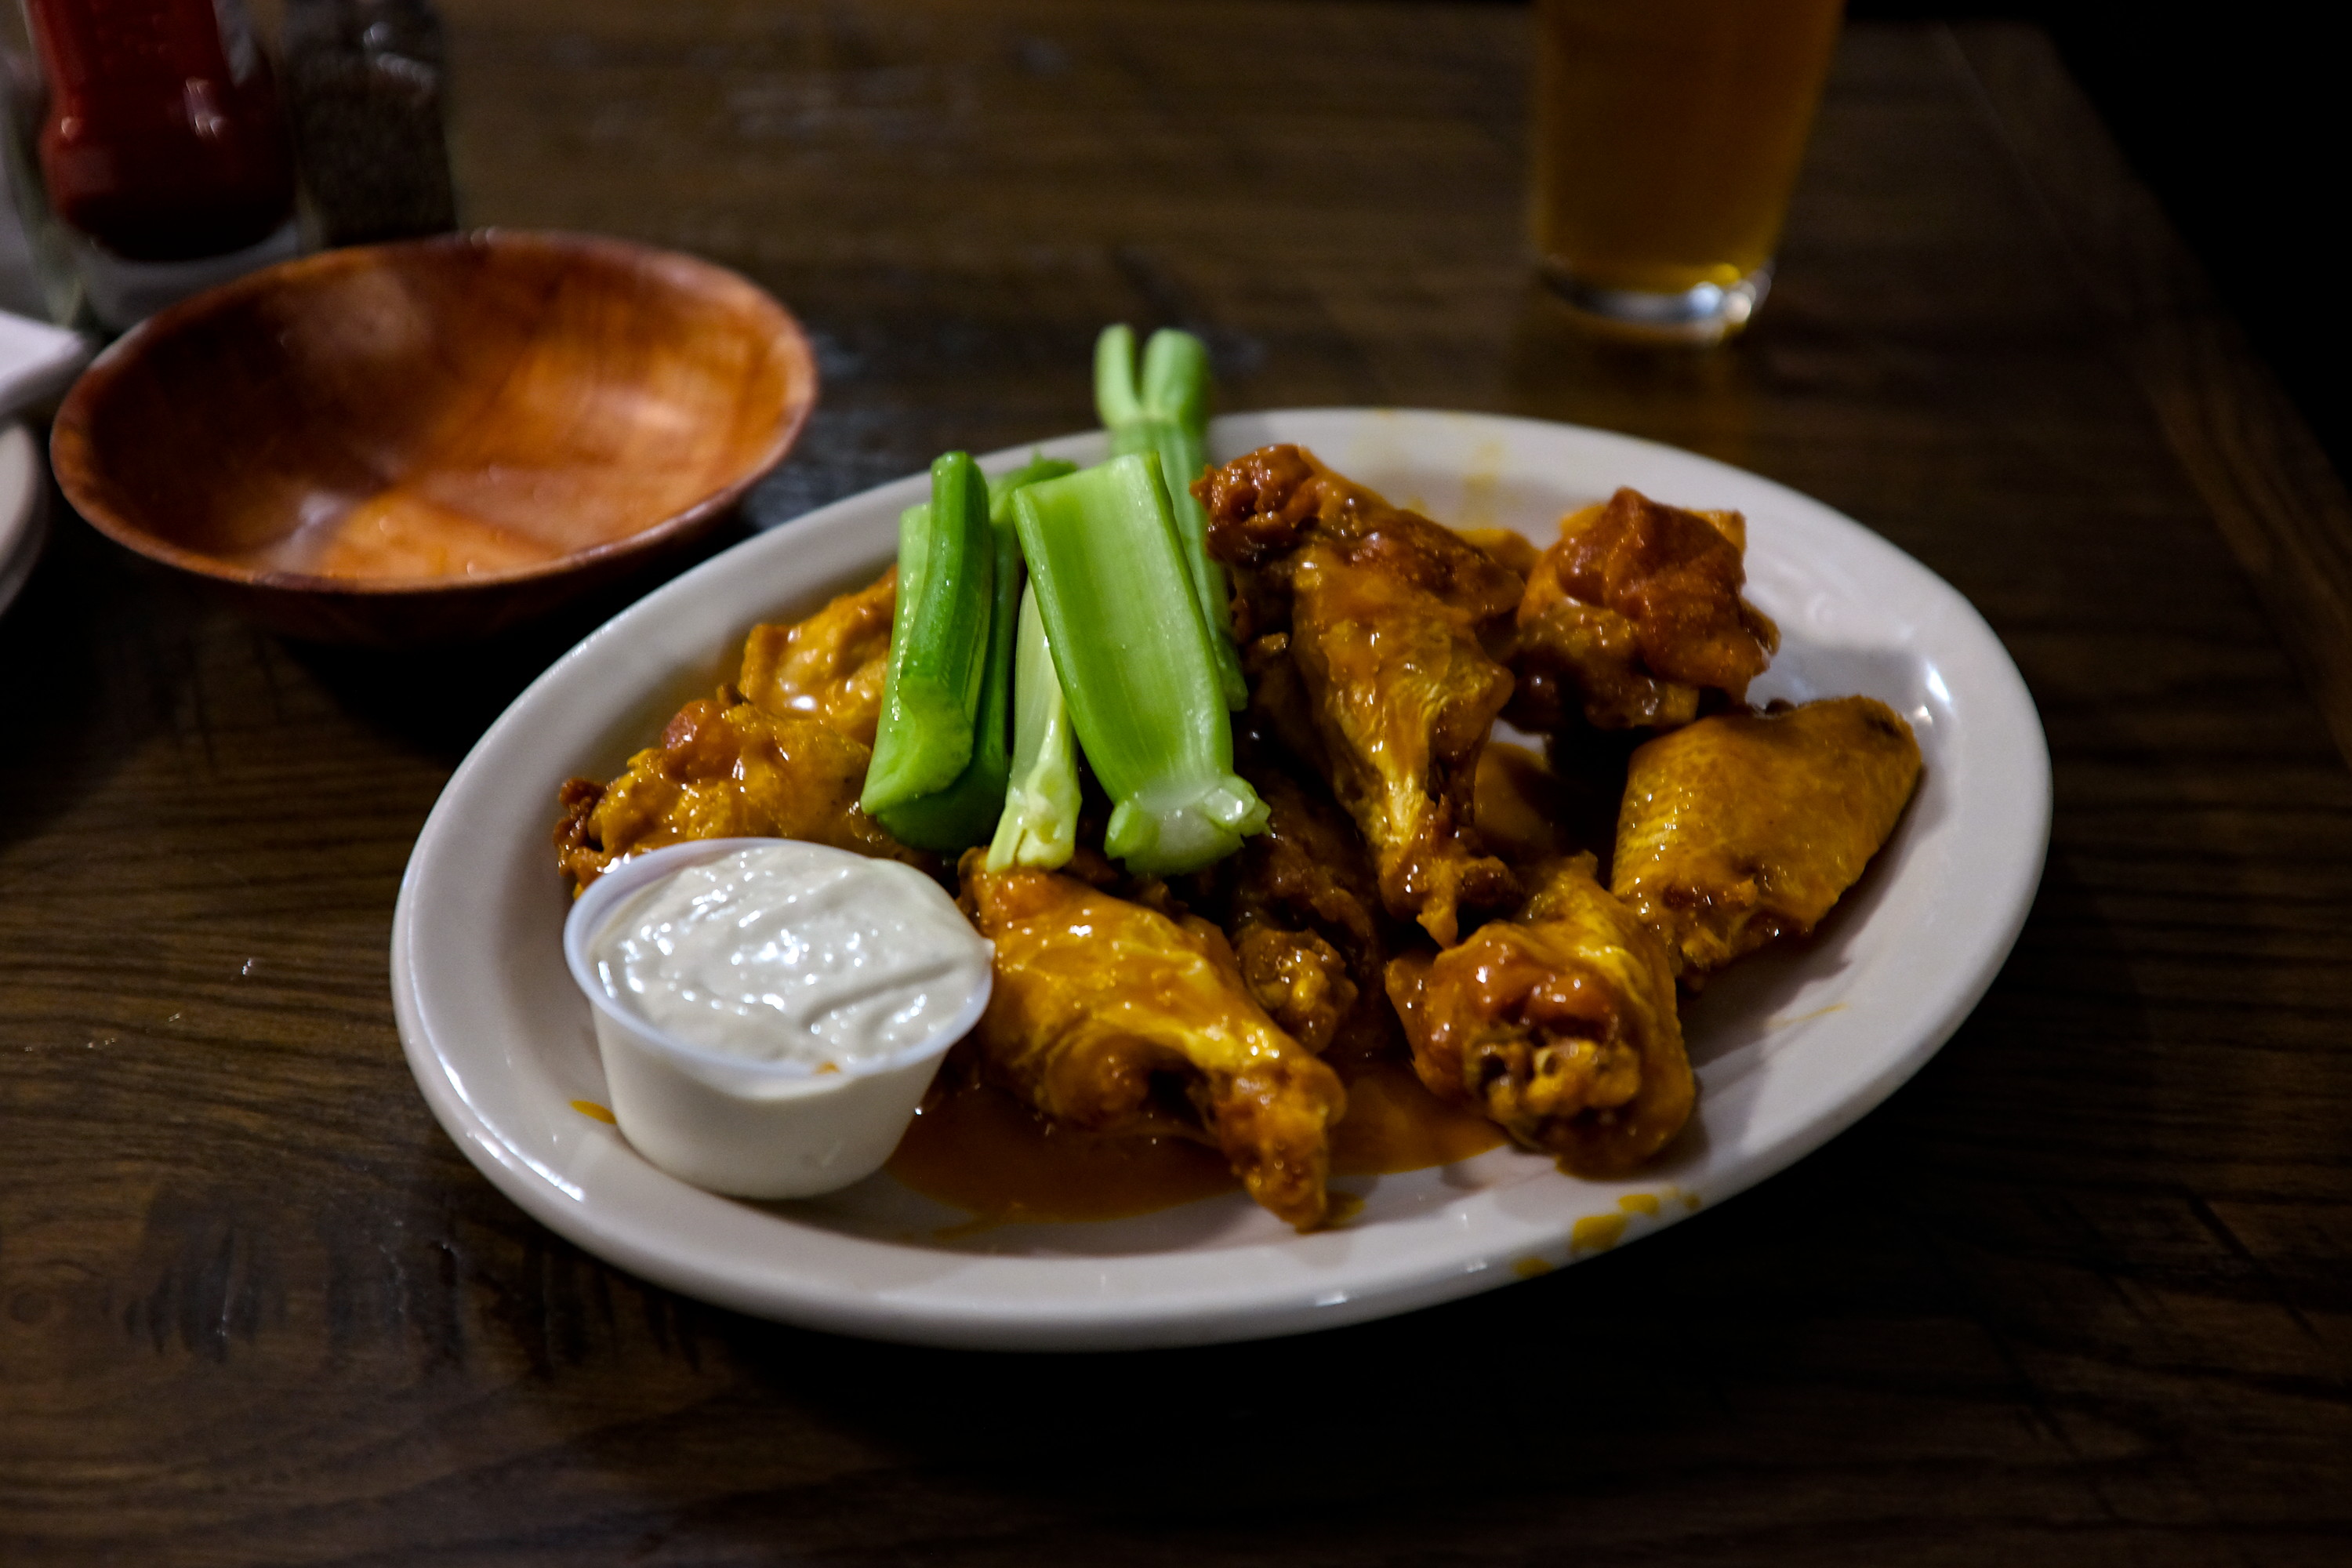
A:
(794, 953)
(769, 1013)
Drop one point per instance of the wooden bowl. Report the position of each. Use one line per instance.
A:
(433, 440)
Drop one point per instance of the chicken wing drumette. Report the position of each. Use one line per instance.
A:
(1559, 1023)
(1634, 616)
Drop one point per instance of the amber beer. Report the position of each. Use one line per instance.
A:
(1668, 136)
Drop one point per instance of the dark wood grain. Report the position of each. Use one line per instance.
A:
(2077, 1294)
(2254, 462)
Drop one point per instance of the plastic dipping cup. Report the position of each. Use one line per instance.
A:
(742, 1128)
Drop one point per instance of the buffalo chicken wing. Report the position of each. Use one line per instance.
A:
(830, 667)
(1634, 615)
(1559, 1023)
(1116, 1018)
(1387, 620)
(1302, 905)
(1743, 827)
(725, 773)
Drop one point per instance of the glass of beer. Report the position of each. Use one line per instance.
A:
(1668, 137)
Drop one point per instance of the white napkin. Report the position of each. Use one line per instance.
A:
(36, 361)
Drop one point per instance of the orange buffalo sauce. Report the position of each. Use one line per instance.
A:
(980, 1150)
(1394, 1124)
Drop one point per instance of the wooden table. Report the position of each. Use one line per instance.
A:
(2077, 1294)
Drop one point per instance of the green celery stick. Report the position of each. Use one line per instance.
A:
(1002, 485)
(1134, 652)
(1170, 415)
(963, 812)
(1119, 402)
(939, 640)
(1040, 825)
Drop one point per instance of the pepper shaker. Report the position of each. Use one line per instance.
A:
(364, 88)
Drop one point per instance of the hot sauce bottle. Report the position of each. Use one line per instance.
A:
(162, 140)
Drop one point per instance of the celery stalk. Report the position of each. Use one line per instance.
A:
(1135, 656)
(1002, 485)
(964, 813)
(1040, 825)
(939, 641)
(1170, 415)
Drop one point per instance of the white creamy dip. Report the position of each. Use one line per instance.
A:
(794, 953)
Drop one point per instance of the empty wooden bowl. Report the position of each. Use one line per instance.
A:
(435, 439)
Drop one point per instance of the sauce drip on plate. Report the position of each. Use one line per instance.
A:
(980, 1150)
(1394, 1124)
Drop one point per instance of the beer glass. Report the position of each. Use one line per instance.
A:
(1667, 138)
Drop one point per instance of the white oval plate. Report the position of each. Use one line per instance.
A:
(1792, 1047)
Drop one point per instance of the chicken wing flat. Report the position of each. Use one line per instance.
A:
(1743, 827)
(1634, 615)
(1116, 1018)
(830, 667)
(725, 773)
(1387, 619)
(1302, 906)
(1559, 1023)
